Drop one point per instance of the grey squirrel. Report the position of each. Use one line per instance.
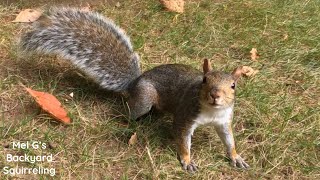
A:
(104, 52)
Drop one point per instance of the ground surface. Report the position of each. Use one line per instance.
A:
(276, 124)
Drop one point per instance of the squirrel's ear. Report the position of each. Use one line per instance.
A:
(237, 72)
(206, 66)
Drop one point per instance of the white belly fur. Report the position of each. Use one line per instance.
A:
(213, 116)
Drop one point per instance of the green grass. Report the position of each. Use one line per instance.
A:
(276, 123)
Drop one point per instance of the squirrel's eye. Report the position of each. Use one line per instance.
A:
(233, 86)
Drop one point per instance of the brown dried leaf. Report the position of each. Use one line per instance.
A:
(28, 15)
(118, 4)
(86, 8)
(249, 71)
(254, 54)
(173, 5)
(133, 139)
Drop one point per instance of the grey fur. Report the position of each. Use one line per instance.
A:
(88, 40)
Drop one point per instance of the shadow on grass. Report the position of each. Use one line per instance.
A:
(55, 75)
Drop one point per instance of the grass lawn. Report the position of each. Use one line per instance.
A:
(277, 113)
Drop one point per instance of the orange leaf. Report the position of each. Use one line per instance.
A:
(174, 5)
(28, 15)
(86, 8)
(254, 54)
(133, 139)
(249, 71)
(50, 104)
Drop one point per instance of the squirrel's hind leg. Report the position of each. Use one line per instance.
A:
(142, 97)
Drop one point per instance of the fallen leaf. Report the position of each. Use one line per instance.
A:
(7, 145)
(173, 5)
(86, 8)
(248, 71)
(254, 54)
(52, 145)
(28, 15)
(118, 4)
(50, 104)
(133, 139)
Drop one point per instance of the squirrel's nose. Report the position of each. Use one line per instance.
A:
(215, 95)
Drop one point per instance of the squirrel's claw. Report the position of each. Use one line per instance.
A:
(192, 167)
(239, 162)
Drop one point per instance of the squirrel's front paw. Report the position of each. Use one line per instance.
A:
(190, 167)
(237, 161)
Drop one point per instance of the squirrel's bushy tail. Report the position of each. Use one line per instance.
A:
(88, 40)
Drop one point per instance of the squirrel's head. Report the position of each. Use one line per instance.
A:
(218, 88)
